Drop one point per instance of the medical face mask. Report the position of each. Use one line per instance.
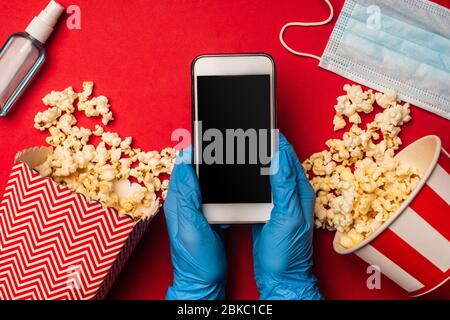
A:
(384, 44)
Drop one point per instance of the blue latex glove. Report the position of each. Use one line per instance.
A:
(282, 248)
(198, 254)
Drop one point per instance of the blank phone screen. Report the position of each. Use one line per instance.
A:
(231, 105)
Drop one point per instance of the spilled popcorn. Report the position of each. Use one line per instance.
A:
(101, 172)
(357, 181)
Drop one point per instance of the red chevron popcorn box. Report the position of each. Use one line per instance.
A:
(412, 248)
(55, 244)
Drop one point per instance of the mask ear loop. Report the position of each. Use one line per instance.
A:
(305, 24)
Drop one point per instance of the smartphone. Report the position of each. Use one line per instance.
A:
(234, 135)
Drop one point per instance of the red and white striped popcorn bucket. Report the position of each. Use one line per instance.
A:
(55, 244)
(412, 247)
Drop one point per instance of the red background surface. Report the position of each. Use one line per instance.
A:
(139, 55)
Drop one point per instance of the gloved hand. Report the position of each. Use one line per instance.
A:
(282, 248)
(198, 254)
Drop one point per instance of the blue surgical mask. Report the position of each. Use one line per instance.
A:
(402, 45)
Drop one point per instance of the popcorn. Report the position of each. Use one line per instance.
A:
(356, 100)
(98, 131)
(107, 172)
(102, 105)
(111, 139)
(338, 122)
(65, 123)
(115, 154)
(156, 183)
(88, 87)
(56, 137)
(358, 182)
(126, 143)
(140, 171)
(101, 154)
(82, 134)
(65, 164)
(88, 107)
(146, 157)
(63, 100)
(124, 168)
(390, 120)
(97, 106)
(168, 153)
(101, 172)
(165, 185)
(137, 202)
(46, 119)
(107, 117)
(386, 100)
(84, 156)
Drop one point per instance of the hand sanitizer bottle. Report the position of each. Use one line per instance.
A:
(23, 54)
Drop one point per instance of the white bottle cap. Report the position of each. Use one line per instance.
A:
(41, 27)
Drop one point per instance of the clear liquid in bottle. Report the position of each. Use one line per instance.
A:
(23, 54)
(20, 59)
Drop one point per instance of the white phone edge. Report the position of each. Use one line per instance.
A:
(234, 64)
